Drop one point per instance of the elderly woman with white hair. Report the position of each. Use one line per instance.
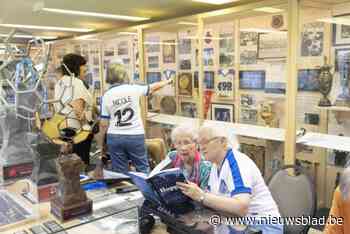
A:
(340, 207)
(236, 186)
(121, 115)
(186, 156)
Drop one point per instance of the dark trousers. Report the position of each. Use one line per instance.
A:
(82, 149)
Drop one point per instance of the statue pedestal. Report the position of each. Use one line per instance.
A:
(70, 200)
(64, 213)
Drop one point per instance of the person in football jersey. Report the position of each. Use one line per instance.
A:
(236, 186)
(121, 119)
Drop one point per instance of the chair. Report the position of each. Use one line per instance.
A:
(156, 150)
(295, 196)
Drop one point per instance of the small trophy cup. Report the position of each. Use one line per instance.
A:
(325, 80)
(70, 200)
(267, 114)
(343, 98)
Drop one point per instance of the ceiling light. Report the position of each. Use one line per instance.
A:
(335, 20)
(187, 23)
(29, 36)
(87, 38)
(261, 30)
(46, 28)
(216, 2)
(127, 33)
(40, 6)
(159, 43)
(268, 9)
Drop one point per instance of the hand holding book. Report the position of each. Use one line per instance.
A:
(191, 190)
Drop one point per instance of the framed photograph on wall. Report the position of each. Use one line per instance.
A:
(223, 112)
(189, 109)
(252, 79)
(341, 32)
(272, 45)
(153, 61)
(185, 83)
(308, 80)
(312, 38)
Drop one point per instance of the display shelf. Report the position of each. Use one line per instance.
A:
(276, 134)
(335, 108)
(325, 141)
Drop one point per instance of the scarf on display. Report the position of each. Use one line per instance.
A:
(194, 175)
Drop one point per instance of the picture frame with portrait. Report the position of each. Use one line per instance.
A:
(223, 112)
(341, 32)
(185, 84)
(153, 77)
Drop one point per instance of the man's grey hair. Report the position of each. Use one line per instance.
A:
(215, 130)
(184, 129)
(344, 183)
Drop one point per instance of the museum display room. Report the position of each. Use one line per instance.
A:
(274, 72)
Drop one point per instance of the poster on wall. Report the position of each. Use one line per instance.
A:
(224, 83)
(152, 44)
(308, 80)
(153, 62)
(208, 56)
(226, 45)
(342, 60)
(184, 46)
(185, 84)
(248, 47)
(123, 48)
(169, 51)
(168, 90)
(312, 37)
(341, 33)
(272, 45)
(222, 112)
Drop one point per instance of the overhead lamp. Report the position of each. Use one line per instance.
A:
(46, 28)
(40, 6)
(187, 23)
(30, 36)
(87, 38)
(215, 2)
(335, 20)
(268, 9)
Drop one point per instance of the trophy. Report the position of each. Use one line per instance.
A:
(343, 98)
(325, 83)
(70, 200)
(267, 114)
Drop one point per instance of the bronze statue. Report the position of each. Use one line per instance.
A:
(70, 200)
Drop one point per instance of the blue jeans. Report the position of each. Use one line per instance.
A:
(123, 148)
(269, 229)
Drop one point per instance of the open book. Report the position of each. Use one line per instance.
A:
(160, 188)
